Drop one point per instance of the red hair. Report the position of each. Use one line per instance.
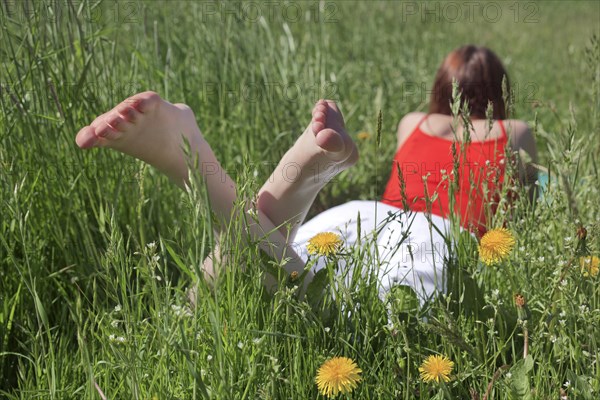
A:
(479, 74)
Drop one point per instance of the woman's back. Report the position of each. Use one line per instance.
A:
(427, 152)
(440, 126)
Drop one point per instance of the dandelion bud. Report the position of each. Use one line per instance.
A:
(581, 233)
(522, 309)
(519, 300)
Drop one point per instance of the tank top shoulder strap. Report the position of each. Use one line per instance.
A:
(412, 136)
(421, 122)
(502, 129)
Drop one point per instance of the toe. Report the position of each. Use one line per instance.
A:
(319, 109)
(86, 138)
(319, 116)
(317, 126)
(318, 121)
(99, 120)
(330, 140)
(116, 122)
(106, 131)
(145, 101)
(128, 112)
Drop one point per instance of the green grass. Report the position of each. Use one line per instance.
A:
(77, 272)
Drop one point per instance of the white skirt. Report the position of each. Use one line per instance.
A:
(405, 248)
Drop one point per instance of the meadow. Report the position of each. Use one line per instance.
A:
(97, 250)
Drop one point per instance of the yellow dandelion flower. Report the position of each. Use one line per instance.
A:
(337, 375)
(495, 245)
(435, 368)
(589, 265)
(363, 135)
(324, 244)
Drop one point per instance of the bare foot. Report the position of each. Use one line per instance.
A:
(336, 149)
(153, 130)
(320, 153)
(150, 129)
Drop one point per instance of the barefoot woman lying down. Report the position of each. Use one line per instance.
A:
(152, 130)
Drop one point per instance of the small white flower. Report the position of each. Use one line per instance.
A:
(209, 357)
(181, 311)
(115, 323)
(156, 258)
(562, 314)
(240, 345)
(327, 329)
(508, 375)
(151, 245)
(541, 259)
(564, 282)
(117, 339)
(118, 308)
(567, 384)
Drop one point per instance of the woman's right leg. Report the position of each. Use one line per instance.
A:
(320, 153)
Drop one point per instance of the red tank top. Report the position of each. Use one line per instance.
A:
(427, 167)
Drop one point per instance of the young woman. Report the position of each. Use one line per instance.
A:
(409, 248)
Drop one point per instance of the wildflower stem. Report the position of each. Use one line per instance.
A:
(495, 377)
(525, 340)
